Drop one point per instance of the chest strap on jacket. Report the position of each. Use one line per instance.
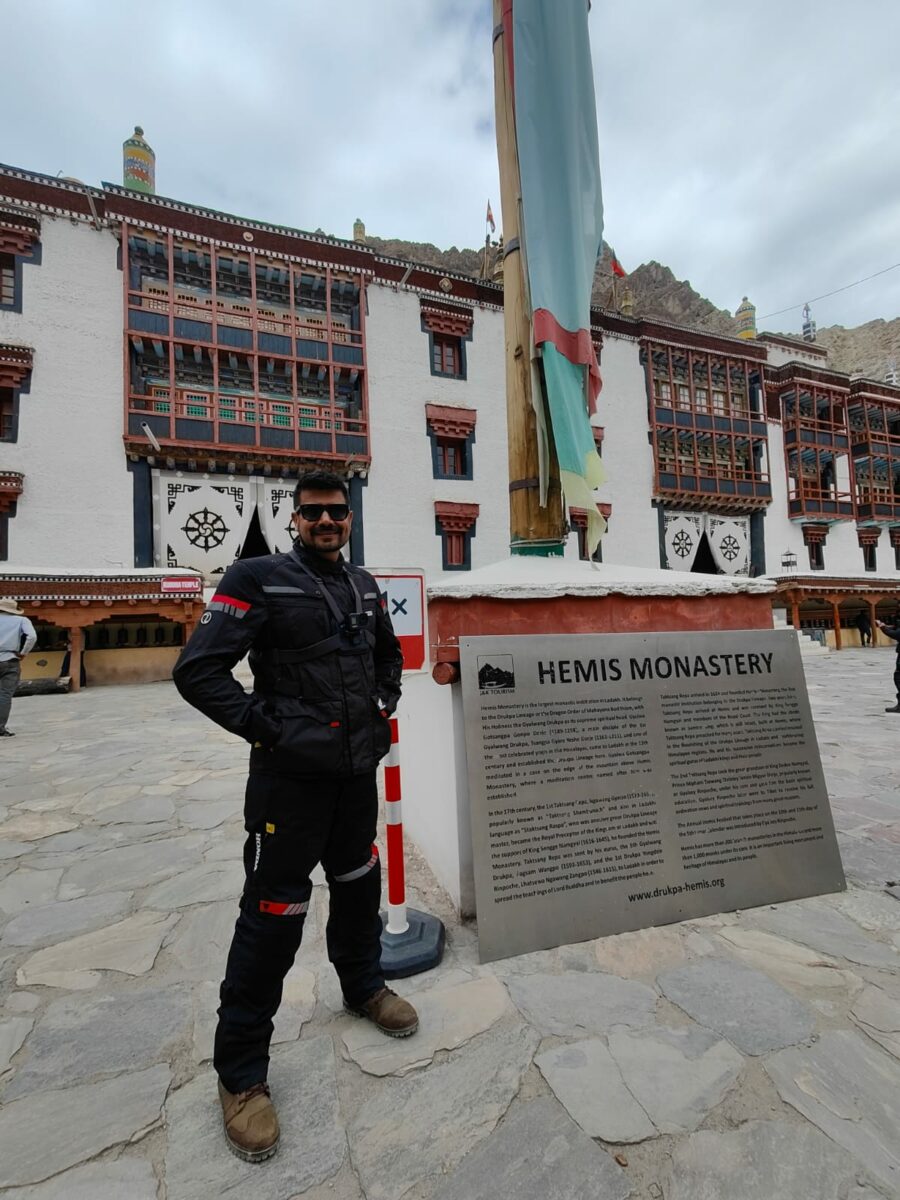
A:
(337, 643)
(327, 596)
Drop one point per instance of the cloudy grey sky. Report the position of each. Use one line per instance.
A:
(752, 148)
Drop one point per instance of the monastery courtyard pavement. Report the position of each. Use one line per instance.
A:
(754, 1056)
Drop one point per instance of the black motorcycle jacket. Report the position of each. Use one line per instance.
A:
(324, 658)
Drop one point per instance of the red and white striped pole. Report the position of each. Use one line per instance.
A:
(393, 818)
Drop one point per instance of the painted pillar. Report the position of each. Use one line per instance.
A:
(836, 610)
(872, 610)
(76, 641)
(795, 614)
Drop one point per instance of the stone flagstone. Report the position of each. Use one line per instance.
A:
(22, 1002)
(677, 1076)
(586, 1081)
(537, 1153)
(575, 1005)
(184, 778)
(851, 1090)
(200, 944)
(139, 809)
(128, 867)
(131, 946)
(25, 888)
(118, 1179)
(207, 814)
(79, 1037)
(878, 1014)
(740, 1004)
(417, 1127)
(52, 922)
(101, 798)
(198, 885)
(642, 952)
(813, 923)
(13, 849)
(791, 964)
(12, 1034)
(448, 1017)
(871, 910)
(199, 1165)
(44, 1134)
(763, 1160)
(31, 827)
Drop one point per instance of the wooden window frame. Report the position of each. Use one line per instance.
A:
(446, 355)
(448, 425)
(449, 328)
(455, 525)
(8, 415)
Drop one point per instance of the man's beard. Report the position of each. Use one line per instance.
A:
(334, 539)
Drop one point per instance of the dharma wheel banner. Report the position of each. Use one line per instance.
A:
(562, 223)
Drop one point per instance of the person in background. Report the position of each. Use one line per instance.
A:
(864, 625)
(893, 631)
(17, 636)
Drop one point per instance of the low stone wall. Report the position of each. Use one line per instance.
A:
(144, 664)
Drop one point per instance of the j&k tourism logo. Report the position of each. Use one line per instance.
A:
(496, 674)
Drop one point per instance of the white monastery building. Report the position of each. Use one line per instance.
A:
(167, 371)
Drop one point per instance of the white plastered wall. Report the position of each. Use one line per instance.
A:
(76, 508)
(633, 535)
(778, 354)
(398, 502)
(435, 783)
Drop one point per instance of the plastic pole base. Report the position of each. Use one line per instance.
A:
(417, 949)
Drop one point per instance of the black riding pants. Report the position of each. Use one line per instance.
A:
(293, 823)
(897, 679)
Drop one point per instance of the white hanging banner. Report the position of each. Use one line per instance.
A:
(275, 503)
(200, 523)
(729, 540)
(682, 539)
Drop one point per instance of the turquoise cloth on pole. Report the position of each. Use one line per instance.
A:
(562, 223)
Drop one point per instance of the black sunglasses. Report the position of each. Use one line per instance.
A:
(313, 512)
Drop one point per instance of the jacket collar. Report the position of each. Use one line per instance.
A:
(315, 562)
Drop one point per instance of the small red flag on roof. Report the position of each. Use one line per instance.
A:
(489, 218)
(617, 268)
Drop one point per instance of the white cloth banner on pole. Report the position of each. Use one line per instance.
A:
(683, 532)
(729, 540)
(275, 503)
(200, 523)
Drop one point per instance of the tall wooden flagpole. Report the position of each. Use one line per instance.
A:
(534, 529)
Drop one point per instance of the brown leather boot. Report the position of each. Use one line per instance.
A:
(251, 1123)
(391, 1013)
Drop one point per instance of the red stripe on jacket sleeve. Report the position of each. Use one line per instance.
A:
(232, 600)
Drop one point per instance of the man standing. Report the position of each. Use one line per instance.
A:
(326, 668)
(862, 623)
(17, 636)
(893, 631)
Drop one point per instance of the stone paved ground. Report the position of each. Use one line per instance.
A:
(752, 1055)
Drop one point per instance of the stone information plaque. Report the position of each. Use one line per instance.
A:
(618, 781)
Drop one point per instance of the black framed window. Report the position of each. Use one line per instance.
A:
(7, 415)
(7, 281)
(446, 355)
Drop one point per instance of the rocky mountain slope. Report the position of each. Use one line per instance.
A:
(864, 349)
